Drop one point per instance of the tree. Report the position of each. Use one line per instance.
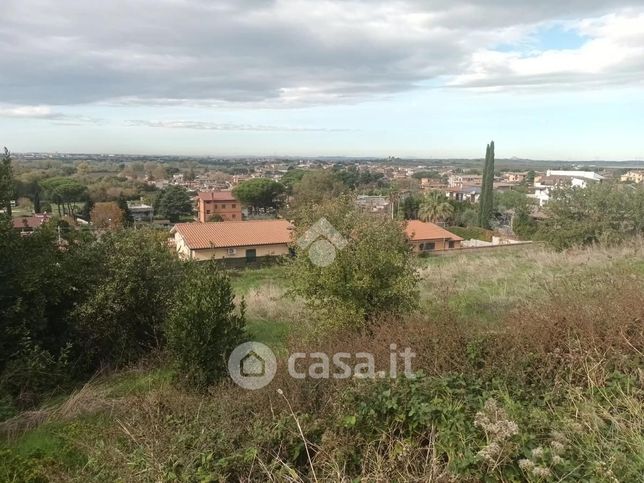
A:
(435, 207)
(599, 213)
(175, 203)
(123, 317)
(65, 192)
(7, 184)
(204, 325)
(487, 189)
(107, 216)
(260, 194)
(371, 276)
(125, 209)
(316, 187)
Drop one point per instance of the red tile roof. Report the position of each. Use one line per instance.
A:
(217, 196)
(419, 230)
(234, 233)
(32, 222)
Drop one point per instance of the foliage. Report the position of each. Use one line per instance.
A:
(486, 201)
(204, 325)
(174, 203)
(106, 215)
(372, 275)
(123, 317)
(317, 187)
(7, 184)
(65, 192)
(435, 208)
(125, 210)
(471, 233)
(597, 213)
(260, 194)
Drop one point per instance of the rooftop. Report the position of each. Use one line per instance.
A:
(200, 236)
(420, 230)
(217, 196)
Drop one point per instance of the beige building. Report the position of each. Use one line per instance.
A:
(633, 177)
(428, 237)
(240, 240)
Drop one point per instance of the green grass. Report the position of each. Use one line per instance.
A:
(251, 278)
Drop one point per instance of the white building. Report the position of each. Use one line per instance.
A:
(543, 185)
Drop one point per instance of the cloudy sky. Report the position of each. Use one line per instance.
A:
(546, 79)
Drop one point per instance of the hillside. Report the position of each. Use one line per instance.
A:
(528, 367)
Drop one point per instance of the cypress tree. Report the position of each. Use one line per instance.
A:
(487, 195)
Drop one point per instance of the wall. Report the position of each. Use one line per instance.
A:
(441, 245)
(215, 207)
(221, 253)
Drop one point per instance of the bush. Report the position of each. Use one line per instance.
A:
(204, 325)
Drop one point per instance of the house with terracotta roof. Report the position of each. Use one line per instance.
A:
(223, 204)
(239, 240)
(27, 224)
(428, 237)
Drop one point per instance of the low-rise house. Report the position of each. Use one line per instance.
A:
(509, 177)
(374, 204)
(141, 212)
(458, 180)
(241, 240)
(27, 224)
(633, 177)
(464, 193)
(543, 185)
(222, 204)
(428, 237)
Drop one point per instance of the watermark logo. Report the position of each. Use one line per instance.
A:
(252, 365)
(322, 241)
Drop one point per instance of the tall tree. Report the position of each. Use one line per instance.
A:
(7, 186)
(127, 214)
(260, 193)
(174, 203)
(487, 194)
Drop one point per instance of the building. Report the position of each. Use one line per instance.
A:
(471, 194)
(222, 203)
(458, 180)
(240, 240)
(141, 212)
(633, 177)
(427, 237)
(543, 185)
(27, 224)
(374, 204)
(509, 177)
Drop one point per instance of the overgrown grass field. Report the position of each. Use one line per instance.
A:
(529, 368)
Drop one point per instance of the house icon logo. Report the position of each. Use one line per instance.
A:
(322, 241)
(252, 365)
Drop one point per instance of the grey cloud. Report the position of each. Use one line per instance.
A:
(256, 52)
(215, 126)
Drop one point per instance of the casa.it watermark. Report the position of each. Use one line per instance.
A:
(253, 365)
(322, 241)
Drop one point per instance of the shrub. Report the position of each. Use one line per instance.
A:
(204, 325)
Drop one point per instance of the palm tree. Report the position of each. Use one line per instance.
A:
(435, 207)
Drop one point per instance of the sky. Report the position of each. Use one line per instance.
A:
(552, 79)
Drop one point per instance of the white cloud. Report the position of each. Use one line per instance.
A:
(613, 54)
(225, 126)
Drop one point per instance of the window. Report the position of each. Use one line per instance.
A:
(231, 251)
(207, 212)
(234, 216)
(234, 205)
(215, 207)
(451, 244)
(427, 247)
(223, 206)
(251, 255)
